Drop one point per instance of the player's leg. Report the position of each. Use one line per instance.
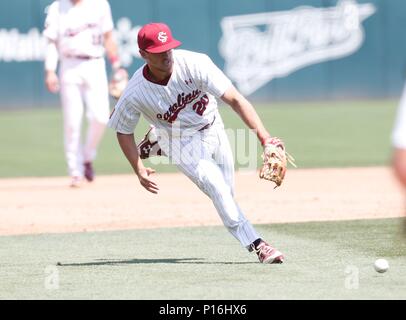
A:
(195, 159)
(224, 158)
(72, 106)
(97, 112)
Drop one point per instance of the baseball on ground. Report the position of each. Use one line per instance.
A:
(381, 265)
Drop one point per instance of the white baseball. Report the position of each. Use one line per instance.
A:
(381, 265)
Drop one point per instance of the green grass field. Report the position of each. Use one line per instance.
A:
(330, 134)
(325, 260)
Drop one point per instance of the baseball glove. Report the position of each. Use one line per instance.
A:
(149, 146)
(275, 160)
(118, 83)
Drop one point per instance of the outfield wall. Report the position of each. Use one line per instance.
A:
(273, 50)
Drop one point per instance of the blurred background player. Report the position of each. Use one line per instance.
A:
(399, 141)
(79, 32)
(399, 145)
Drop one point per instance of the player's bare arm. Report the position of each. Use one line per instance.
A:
(111, 49)
(110, 45)
(246, 112)
(51, 81)
(129, 148)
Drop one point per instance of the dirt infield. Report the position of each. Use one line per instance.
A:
(48, 205)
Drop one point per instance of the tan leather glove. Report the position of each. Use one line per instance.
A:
(275, 160)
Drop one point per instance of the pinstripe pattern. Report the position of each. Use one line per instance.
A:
(152, 100)
(210, 166)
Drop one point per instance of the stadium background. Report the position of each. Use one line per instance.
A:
(375, 71)
(335, 116)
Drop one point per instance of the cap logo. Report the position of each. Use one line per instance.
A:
(162, 37)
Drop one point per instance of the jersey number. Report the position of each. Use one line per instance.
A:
(200, 106)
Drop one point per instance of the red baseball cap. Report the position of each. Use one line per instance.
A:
(156, 38)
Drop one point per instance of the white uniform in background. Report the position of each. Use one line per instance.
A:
(399, 130)
(190, 130)
(78, 31)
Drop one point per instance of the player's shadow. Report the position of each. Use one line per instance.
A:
(104, 262)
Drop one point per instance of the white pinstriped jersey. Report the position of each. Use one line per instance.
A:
(187, 100)
(79, 29)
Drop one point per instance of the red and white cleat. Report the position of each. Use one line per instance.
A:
(267, 254)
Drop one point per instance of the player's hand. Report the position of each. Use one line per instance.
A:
(51, 81)
(143, 175)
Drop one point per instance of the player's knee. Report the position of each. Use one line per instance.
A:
(215, 186)
(211, 180)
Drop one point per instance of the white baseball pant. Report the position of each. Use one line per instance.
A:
(206, 158)
(83, 82)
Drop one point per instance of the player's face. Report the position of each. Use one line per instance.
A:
(160, 61)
